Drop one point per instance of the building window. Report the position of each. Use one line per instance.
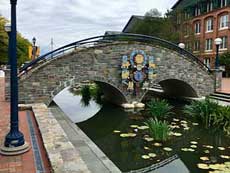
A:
(197, 28)
(197, 45)
(224, 21)
(223, 3)
(209, 6)
(209, 25)
(208, 44)
(197, 11)
(224, 43)
(207, 62)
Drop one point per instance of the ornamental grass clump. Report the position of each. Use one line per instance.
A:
(210, 114)
(204, 111)
(159, 130)
(222, 119)
(159, 108)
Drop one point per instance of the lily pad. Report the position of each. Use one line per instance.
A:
(167, 149)
(176, 120)
(191, 150)
(145, 157)
(184, 149)
(225, 157)
(221, 148)
(177, 134)
(204, 158)
(208, 146)
(156, 144)
(152, 155)
(116, 131)
(206, 151)
(143, 127)
(194, 142)
(202, 166)
(126, 135)
(193, 146)
(148, 139)
(186, 128)
(134, 126)
(146, 148)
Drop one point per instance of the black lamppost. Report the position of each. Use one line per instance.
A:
(14, 140)
(218, 41)
(34, 48)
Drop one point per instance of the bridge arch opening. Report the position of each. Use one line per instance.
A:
(177, 88)
(110, 92)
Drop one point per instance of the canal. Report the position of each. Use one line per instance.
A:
(104, 123)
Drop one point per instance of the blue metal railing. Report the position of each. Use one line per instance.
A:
(112, 38)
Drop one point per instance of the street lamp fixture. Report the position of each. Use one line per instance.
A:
(218, 42)
(34, 41)
(14, 141)
(181, 45)
(7, 27)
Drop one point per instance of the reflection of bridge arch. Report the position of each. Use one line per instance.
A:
(99, 59)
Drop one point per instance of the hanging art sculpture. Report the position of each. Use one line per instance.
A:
(138, 71)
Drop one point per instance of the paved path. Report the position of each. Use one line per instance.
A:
(225, 86)
(24, 163)
(93, 157)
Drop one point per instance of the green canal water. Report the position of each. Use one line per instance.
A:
(99, 122)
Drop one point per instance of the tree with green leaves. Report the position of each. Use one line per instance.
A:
(22, 45)
(154, 25)
(225, 61)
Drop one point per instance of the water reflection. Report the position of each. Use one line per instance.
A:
(71, 105)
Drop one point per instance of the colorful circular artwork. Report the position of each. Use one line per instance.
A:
(138, 76)
(139, 59)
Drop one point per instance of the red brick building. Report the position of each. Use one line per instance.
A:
(200, 23)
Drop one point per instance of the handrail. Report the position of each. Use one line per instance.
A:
(110, 39)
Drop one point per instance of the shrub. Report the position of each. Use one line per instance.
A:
(159, 130)
(159, 108)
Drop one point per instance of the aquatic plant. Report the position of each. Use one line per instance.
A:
(159, 108)
(210, 114)
(222, 118)
(159, 130)
(204, 111)
(86, 96)
(96, 93)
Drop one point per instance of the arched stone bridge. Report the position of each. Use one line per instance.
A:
(177, 74)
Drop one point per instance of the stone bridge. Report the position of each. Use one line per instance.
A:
(177, 74)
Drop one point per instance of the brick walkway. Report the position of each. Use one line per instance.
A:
(225, 88)
(22, 163)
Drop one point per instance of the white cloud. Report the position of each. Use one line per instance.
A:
(70, 20)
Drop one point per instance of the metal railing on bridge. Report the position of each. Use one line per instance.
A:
(95, 41)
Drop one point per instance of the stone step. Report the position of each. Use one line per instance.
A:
(221, 95)
(220, 98)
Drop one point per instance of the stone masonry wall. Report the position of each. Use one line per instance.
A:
(102, 63)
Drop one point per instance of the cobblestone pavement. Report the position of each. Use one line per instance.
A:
(24, 163)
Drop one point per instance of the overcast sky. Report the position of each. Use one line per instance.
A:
(67, 21)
